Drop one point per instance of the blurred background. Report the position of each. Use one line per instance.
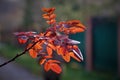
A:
(100, 43)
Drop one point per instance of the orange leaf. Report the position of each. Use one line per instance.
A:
(22, 41)
(61, 50)
(51, 46)
(48, 33)
(52, 16)
(73, 56)
(38, 46)
(47, 56)
(33, 53)
(47, 66)
(56, 68)
(73, 22)
(49, 50)
(48, 10)
(58, 50)
(76, 30)
(66, 57)
(42, 61)
(81, 26)
(53, 61)
(75, 47)
(52, 21)
(46, 16)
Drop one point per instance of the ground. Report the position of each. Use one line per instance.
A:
(14, 72)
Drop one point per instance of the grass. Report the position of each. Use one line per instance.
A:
(71, 71)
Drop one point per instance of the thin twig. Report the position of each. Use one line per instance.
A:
(18, 55)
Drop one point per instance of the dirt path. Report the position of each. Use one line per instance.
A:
(13, 72)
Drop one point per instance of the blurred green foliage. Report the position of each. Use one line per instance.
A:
(76, 72)
(28, 21)
(9, 51)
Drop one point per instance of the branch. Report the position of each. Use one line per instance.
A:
(18, 55)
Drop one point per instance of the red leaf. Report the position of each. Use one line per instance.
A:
(53, 61)
(38, 46)
(52, 16)
(33, 53)
(22, 39)
(47, 66)
(56, 68)
(48, 10)
(42, 61)
(59, 52)
(74, 56)
(51, 46)
(49, 50)
(66, 57)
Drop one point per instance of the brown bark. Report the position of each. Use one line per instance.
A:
(89, 56)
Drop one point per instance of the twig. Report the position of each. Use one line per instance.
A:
(18, 55)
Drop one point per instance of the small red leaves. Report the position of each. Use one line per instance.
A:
(48, 33)
(51, 46)
(42, 61)
(58, 49)
(46, 16)
(47, 66)
(49, 50)
(66, 57)
(33, 53)
(52, 16)
(49, 15)
(56, 68)
(22, 41)
(54, 61)
(74, 56)
(38, 46)
(71, 27)
(53, 65)
(54, 40)
(48, 10)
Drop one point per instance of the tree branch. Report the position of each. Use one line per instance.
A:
(18, 55)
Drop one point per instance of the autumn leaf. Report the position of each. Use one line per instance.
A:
(58, 50)
(32, 53)
(54, 39)
(38, 46)
(46, 16)
(51, 46)
(49, 50)
(66, 57)
(42, 61)
(56, 68)
(53, 61)
(74, 56)
(22, 39)
(48, 10)
(53, 65)
(47, 66)
(52, 16)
